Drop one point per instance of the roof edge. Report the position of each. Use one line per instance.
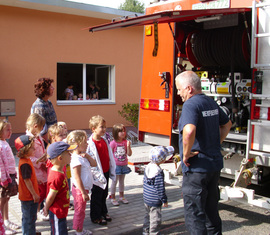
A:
(68, 7)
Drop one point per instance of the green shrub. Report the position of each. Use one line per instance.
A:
(131, 113)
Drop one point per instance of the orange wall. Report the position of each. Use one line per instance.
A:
(31, 44)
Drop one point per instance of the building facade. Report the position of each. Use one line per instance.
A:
(42, 38)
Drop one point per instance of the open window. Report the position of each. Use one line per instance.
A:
(85, 84)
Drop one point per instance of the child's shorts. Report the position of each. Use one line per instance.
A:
(122, 170)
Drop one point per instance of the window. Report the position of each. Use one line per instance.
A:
(85, 84)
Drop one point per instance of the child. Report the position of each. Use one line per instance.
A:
(121, 149)
(80, 96)
(154, 194)
(57, 201)
(64, 126)
(28, 185)
(82, 180)
(34, 125)
(8, 186)
(100, 149)
(67, 169)
(94, 97)
(57, 132)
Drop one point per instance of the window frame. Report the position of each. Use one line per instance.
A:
(111, 88)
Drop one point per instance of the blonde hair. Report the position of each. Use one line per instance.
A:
(76, 137)
(34, 119)
(95, 121)
(24, 150)
(116, 129)
(53, 131)
(62, 124)
(3, 124)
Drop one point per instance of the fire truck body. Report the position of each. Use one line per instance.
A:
(208, 45)
(227, 43)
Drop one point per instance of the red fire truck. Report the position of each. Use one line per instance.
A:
(227, 43)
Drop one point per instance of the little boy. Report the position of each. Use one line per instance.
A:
(154, 194)
(99, 148)
(28, 185)
(56, 133)
(57, 201)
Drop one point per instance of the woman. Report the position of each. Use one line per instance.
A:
(69, 93)
(44, 90)
(93, 91)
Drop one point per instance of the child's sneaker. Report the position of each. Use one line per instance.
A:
(114, 202)
(85, 232)
(123, 200)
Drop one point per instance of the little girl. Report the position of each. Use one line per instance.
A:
(8, 175)
(82, 180)
(121, 148)
(34, 125)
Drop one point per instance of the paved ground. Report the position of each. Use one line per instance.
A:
(126, 218)
(237, 218)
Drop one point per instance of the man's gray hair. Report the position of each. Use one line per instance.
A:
(189, 78)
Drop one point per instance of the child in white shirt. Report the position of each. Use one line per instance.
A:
(81, 178)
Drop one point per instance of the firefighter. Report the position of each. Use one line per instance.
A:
(202, 128)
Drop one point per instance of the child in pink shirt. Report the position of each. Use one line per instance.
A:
(8, 175)
(121, 149)
(34, 125)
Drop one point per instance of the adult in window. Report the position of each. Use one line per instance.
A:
(203, 126)
(69, 93)
(43, 106)
(93, 90)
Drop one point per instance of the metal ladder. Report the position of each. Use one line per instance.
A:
(255, 35)
(254, 45)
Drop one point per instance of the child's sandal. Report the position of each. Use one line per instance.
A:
(12, 225)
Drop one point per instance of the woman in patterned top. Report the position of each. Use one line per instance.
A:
(44, 90)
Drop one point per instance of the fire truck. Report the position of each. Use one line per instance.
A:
(227, 43)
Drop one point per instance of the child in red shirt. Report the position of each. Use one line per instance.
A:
(99, 148)
(57, 201)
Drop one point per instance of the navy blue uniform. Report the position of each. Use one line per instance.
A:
(200, 179)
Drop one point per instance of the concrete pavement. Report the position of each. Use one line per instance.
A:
(126, 217)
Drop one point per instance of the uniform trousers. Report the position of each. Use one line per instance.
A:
(201, 196)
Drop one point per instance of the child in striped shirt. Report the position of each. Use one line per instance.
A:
(154, 194)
